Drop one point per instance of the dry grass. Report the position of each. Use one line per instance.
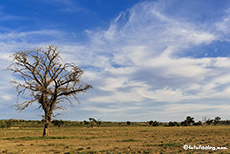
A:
(131, 139)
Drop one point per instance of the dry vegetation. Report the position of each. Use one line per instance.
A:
(123, 139)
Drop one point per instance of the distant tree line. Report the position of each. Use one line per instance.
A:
(189, 121)
(92, 122)
(6, 124)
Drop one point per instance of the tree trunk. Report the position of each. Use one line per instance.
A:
(47, 125)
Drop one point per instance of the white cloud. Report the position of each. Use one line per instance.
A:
(223, 25)
(6, 97)
(144, 43)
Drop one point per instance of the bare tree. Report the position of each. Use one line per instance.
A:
(48, 81)
(204, 119)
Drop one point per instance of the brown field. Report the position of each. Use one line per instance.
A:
(127, 139)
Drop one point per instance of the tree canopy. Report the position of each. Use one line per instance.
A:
(47, 79)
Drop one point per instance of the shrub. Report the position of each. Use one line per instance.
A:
(3, 125)
(156, 123)
(58, 123)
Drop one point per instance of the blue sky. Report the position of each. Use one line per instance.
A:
(147, 60)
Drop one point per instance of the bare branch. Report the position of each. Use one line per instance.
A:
(24, 105)
(47, 80)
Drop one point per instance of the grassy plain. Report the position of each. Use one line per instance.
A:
(124, 139)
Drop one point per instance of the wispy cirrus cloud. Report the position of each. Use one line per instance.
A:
(31, 36)
(67, 6)
(8, 17)
(139, 60)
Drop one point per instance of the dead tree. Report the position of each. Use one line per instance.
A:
(48, 81)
